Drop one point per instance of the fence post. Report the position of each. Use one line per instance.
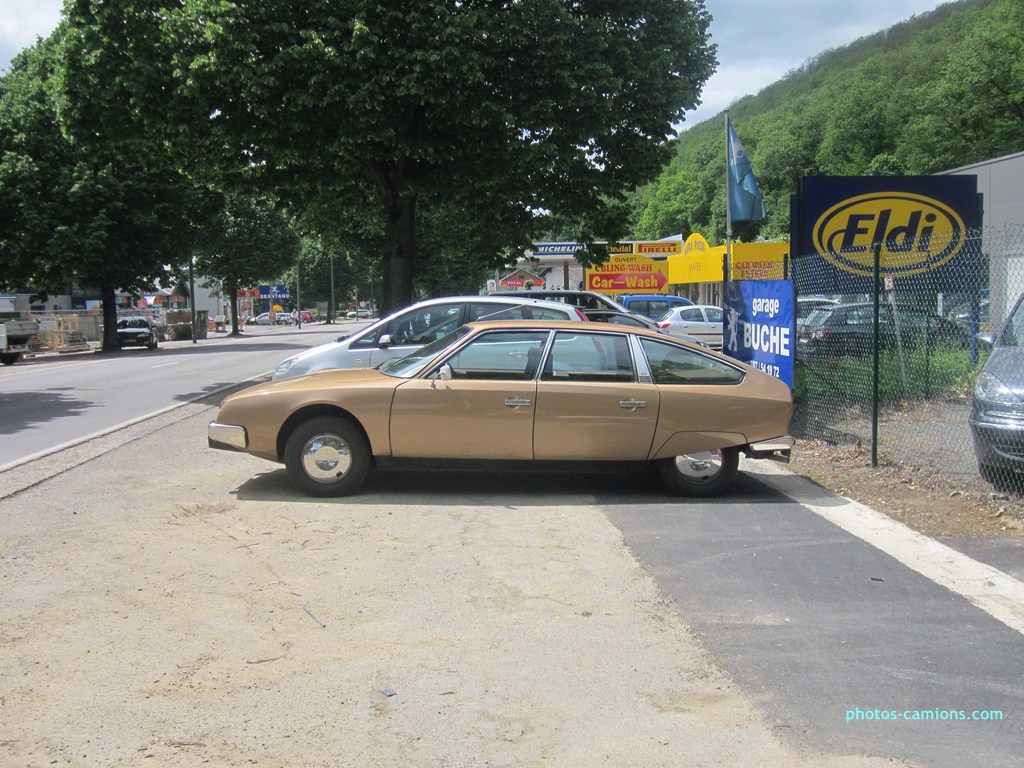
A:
(876, 251)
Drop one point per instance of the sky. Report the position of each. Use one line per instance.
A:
(759, 41)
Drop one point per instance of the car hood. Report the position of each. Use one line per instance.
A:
(332, 378)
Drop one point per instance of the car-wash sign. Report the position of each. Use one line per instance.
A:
(641, 269)
(922, 225)
(759, 325)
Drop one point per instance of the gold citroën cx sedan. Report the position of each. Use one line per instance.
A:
(519, 390)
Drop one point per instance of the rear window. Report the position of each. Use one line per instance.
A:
(675, 365)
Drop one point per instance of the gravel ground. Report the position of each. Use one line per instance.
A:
(169, 605)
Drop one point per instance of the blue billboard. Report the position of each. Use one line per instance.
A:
(759, 325)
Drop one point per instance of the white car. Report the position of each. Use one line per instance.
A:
(280, 318)
(409, 329)
(701, 320)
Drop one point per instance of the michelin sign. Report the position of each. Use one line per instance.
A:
(759, 325)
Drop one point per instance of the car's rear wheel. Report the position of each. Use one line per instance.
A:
(327, 456)
(704, 473)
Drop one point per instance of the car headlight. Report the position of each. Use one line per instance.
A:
(991, 390)
(284, 365)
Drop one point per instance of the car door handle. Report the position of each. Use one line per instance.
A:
(515, 402)
(631, 404)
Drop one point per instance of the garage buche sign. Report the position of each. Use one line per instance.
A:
(759, 325)
(922, 224)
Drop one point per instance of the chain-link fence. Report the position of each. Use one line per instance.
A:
(918, 371)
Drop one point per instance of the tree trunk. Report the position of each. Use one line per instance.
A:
(109, 302)
(400, 254)
(233, 294)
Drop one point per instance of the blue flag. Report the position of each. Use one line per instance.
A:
(745, 201)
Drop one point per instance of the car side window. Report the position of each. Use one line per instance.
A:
(417, 326)
(502, 355)
(589, 357)
(676, 365)
(493, 311)
(489, 310)
(715, 315)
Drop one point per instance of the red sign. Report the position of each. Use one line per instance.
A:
(626, 282)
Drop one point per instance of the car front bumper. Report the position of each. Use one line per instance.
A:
(998, 439)
(226, 437)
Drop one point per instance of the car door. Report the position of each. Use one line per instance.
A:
(485, 410)
(589, 404)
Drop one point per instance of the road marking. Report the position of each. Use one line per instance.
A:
(997, 593)
(164, 365)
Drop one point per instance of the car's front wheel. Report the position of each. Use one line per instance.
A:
(327, 456)
(704, 473)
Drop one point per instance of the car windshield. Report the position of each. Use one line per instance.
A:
(408, 366)
(136, 322)
(817, 318)
(1013, 332)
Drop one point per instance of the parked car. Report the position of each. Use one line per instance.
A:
(278, 318)
(848, 329)
(635, 321)
(701, 320)
(805, 305)
(997, 413)
(136, 331)
(358, 314)
(412, 327)
(534, 391)
(652, 305)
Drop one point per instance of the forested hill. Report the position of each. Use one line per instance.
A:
(939, 91)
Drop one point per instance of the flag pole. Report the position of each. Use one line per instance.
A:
(727, 263)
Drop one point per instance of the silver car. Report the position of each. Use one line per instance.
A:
(409, 329)
(701, 320)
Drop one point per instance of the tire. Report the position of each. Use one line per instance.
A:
(9, 358)
(706, 473)
(327, 456)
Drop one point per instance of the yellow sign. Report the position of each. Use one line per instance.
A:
(701, 263)
(698, 262)
(629, 273)
(917, 233)
(759, 261)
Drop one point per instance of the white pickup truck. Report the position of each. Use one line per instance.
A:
(15, 332)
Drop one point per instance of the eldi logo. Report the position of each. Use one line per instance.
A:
(916, 233)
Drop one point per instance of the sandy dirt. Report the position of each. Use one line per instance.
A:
(165, 604)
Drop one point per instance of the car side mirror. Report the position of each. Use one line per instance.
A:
(444, 373)
(986, 339)
(385, 341)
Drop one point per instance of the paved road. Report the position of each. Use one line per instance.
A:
(56, 400)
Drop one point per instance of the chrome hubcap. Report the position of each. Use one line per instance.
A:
(326, 458)
(698, 467)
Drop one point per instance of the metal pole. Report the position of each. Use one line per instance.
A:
(331, 310)
(298, 294)
(876, 250)
(192, 296)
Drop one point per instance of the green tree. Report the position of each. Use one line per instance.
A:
(505, 109)
(78, 209)
(249, 242)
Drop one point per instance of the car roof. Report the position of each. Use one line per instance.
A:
(558, 325)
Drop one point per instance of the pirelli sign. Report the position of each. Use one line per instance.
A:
(923, 226)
